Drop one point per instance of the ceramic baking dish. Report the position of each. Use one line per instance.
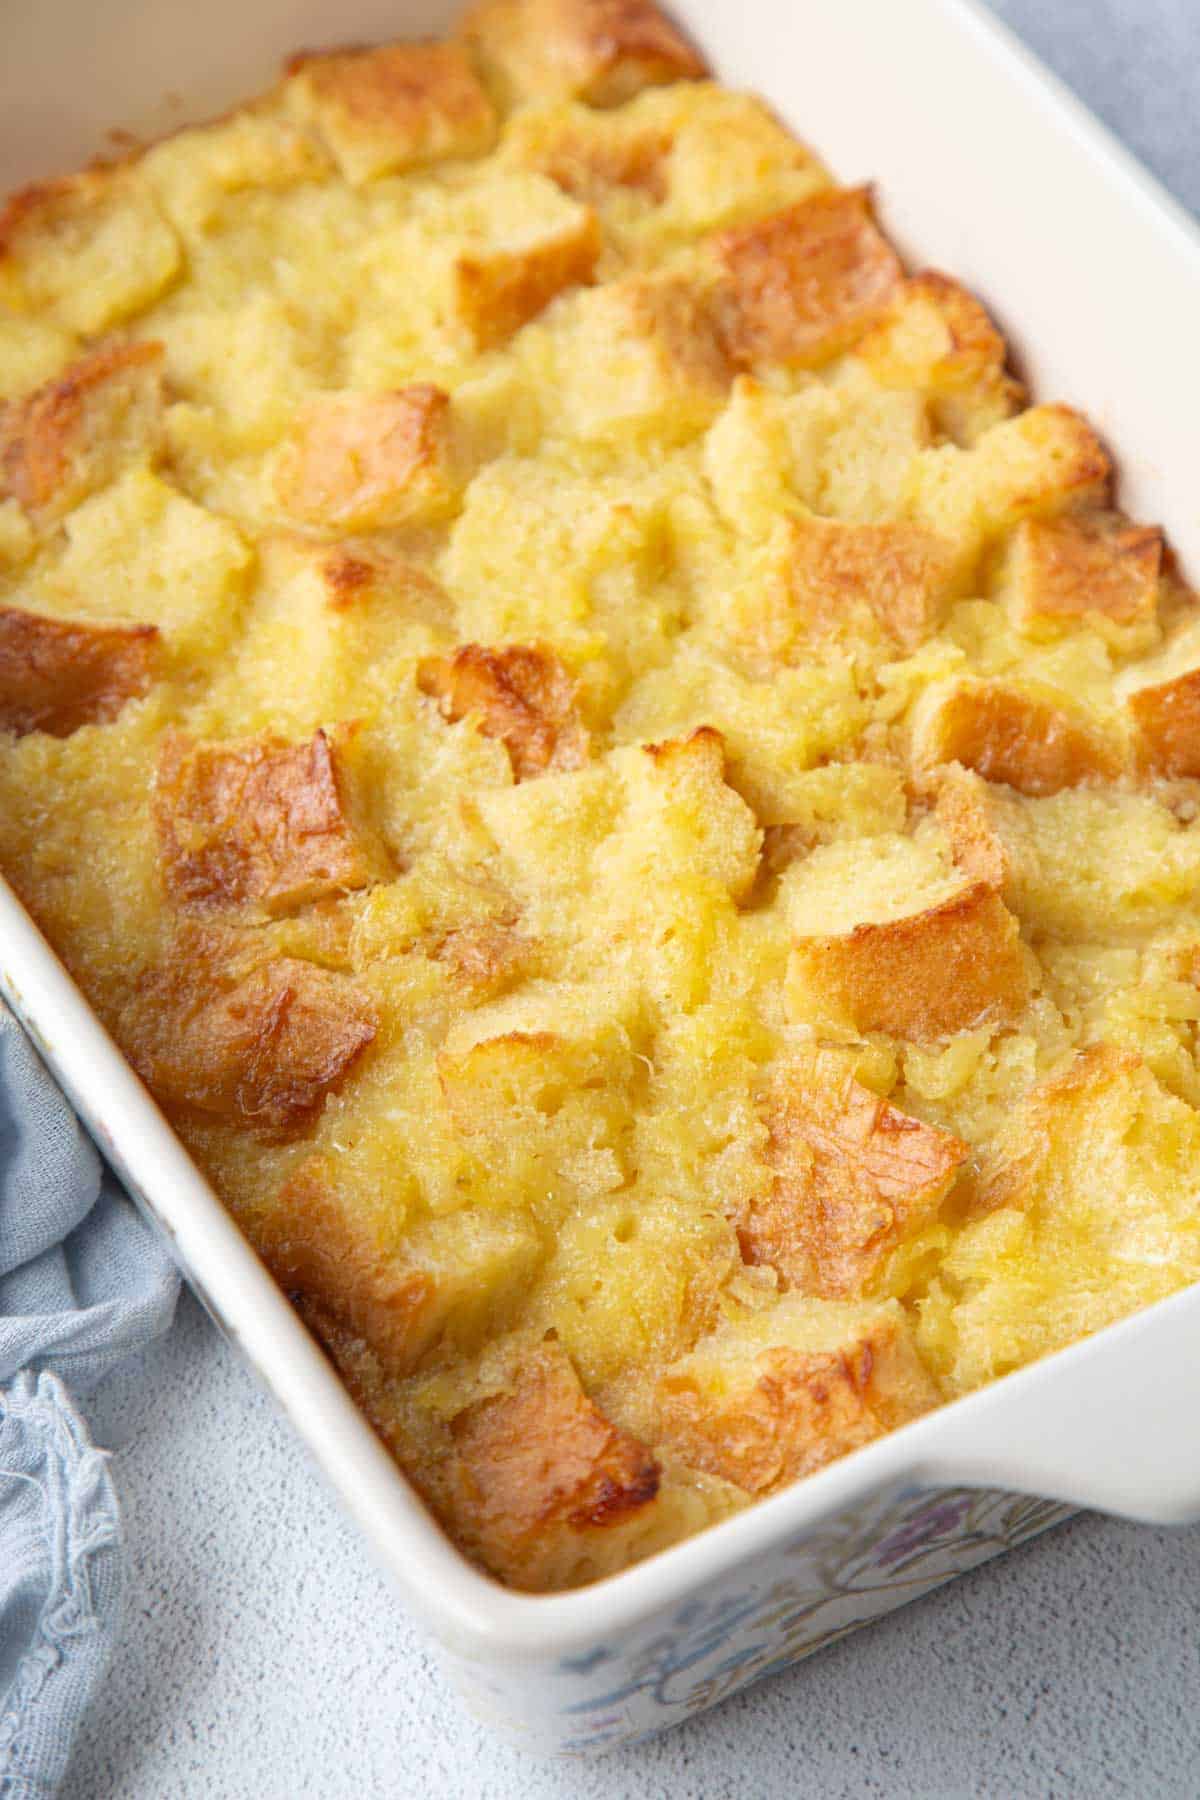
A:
(986, 168)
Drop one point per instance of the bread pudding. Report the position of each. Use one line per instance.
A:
(632, 798)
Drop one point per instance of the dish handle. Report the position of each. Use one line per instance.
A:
(1113, 1423)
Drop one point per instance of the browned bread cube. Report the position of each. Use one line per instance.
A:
(1028, 736)
(1095, 569)
(539, 1460)
(591, 155)
(1044, 463)
(934, 334)
(1166, 717)
(1050, 1109)
(381, 111)
(323, 1253)
(519, 693)
(936, 337)
(954, 966)
(805, 283)
(487, 1083)
(56, 675)
(363, 461)
(485, 957)
(399, 1285)
(1083, 1210)
(72, 436)
(263, 823)
(644, 352)
(853, 1178)
(92, 249)
(962, 809)
(500, 286)
(263, 1049)
(600, 51)
(898, 574)
(686, 780)
(763, 1414)
(354, 575)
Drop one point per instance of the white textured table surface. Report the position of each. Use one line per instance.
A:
(263, 1658)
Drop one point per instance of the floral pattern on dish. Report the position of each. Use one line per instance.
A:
(817, 1588)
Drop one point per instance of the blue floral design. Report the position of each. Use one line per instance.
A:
(824, 1584)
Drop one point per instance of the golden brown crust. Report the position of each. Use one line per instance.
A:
(323, 1256)
(936, 339)
(496, 291)
(355, 573)
(29, 209)
(540, 1460)
(67, 438)
(493, 1079)
(263, 1049)
(484, 958)
(643, 353)
(581, 154)
(1094, 568)
(1058, 464)
(263, 823)
(790, 1412)
(952, 967)
(56, 675)
(91, 249)
(899, 573)
(934, 335)
(702, 750)
(1166, 717)
(961, 809)
(805, 283)
(519, 693)
(853, 1178)
(675, 314)
(362, 461)
(1044, 463)
(348, 577)
(803, 1411)
(600, 51)
(1006, 1176)
(381, 111)
(1025, 737)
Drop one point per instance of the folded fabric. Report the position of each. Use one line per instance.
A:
(83, 1282)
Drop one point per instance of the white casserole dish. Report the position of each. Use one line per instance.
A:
(988, 169)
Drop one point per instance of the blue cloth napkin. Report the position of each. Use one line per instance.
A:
(83, 1282)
